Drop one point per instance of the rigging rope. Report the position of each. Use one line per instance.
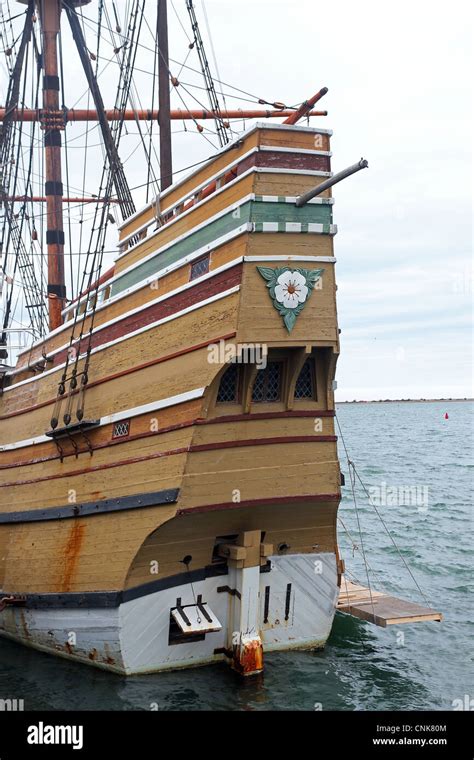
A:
(12, 156)
(206, 19)
(221, 125)
(353, 475)
(110, 141)
(112, 175)
(255, 98)
(153, 94)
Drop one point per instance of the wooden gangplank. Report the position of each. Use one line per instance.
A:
(379, 608)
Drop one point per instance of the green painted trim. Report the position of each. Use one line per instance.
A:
(255, 211)
(205, 236)
(287, 212)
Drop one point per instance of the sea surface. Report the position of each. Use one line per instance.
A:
(394, 446)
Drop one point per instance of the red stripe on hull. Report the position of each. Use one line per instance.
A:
(275, 160)
(266, 416)
(261, 502)
(196, 448)
(170, 428)
(149, 314)
(264, 441)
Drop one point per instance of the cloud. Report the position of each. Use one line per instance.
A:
(399, 82)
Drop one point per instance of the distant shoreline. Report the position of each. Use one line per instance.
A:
(407, 401)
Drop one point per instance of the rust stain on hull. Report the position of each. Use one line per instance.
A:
(71, 554)
(108, 658)
(248, 657)
(23, 624)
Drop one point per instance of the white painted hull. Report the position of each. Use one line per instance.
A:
(133, 638)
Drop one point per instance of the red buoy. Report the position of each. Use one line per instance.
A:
(446, 416)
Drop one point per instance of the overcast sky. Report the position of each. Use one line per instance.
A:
(399, 95)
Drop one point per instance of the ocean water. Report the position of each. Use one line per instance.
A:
(363, 667)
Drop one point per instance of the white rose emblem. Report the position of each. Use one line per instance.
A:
(291, 289)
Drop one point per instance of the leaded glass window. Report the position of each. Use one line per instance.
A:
(199, 267)
(121, 429)
(305, 385)
(229, 386)
(267, 385)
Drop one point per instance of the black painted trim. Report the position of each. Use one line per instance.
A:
(57, 290)
(190, 576)
(287, 601)
(72, 429)
(52, 138)
(51, 82)
(112, 599)
(55, 236)
(53, 188)
(136, 501)
(72, 600)
(266, 604)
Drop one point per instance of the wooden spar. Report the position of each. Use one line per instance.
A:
(50, 11)
(116, 172)
(305, 107)
(303, 199)
(113, 114)
(164, 122)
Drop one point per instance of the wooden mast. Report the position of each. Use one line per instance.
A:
(53, 120)
(50, 12)
(166, 169)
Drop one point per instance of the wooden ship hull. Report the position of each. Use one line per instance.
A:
(169, 479)
(197, 485)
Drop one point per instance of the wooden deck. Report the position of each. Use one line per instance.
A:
(381, 609)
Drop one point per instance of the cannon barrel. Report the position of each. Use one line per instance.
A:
(302, 199)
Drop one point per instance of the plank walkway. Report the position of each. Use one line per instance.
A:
(387, 610)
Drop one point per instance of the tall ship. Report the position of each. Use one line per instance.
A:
(169, 477)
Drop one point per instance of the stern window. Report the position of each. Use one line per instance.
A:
(199, 267)
(305, 385)
(229, 385)
(267, 385)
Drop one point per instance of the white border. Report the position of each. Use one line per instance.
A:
(247, 227)
(206, 182)
(318, 259)
(169, 224)
(146, 304)
(190, 284)
(139, 330)
(225, 149)
(233, 207)
(153, 406)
